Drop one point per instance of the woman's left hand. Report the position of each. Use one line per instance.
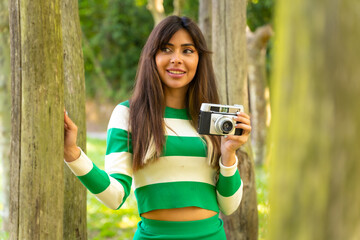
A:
(230, 143)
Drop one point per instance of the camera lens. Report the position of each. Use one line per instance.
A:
(227, 126)
(224, 125)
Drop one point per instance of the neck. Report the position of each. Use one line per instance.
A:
(175, 99)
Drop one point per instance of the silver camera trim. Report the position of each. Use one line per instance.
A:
(214, 124)
(232, 108)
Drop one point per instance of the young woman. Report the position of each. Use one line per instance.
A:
(182, 180)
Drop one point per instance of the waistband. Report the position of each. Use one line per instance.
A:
(180, 227)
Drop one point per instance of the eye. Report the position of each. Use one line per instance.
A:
(188, 51)
(165, 49)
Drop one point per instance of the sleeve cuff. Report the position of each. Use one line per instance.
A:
(80, 166)
(228, 171)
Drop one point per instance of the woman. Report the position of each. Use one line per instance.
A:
(181, 179)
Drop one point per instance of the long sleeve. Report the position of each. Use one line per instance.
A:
(229, 188)
(113, 185)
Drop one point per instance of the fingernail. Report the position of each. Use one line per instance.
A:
(67, 113)
(225, 136)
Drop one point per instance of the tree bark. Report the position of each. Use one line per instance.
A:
(37, 188)
(74, 92)
(229, 47)
(315, 192)
(205, 21)
(259, 99)
(5, 114)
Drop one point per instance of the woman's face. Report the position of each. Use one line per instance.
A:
(177, 62)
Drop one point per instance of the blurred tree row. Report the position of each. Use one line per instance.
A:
(114, 32)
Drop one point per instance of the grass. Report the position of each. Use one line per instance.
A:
(104, 223)
(3, 235)
(262, 177)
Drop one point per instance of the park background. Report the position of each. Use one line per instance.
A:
(313, 86)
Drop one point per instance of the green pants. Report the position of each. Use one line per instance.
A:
(206, 229)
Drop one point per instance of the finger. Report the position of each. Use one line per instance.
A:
(242, 120)
(243, 126)
(69, 122)
(230, 137)
(243, 114)
(237, 140)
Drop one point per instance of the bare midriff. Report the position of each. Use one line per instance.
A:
(179, 214)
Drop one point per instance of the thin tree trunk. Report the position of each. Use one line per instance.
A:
(205, 21)
(259, 100)
(178, 7)
(315, 190)
(74, 92)
(37, 188)
(229, 47)
(156, 8)
(5, 116)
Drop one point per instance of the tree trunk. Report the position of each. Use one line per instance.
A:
(205, 22)
(5, 116)
(315, 191)
(37, 188)
(74, 92)
(156, 8)
(39, 60)
(229, 47)
(178, 7)
(259, 100)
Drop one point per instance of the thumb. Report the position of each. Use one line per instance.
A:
(68, 121)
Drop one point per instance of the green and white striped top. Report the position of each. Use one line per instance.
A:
(181, 177)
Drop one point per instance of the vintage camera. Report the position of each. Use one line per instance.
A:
(217, 119)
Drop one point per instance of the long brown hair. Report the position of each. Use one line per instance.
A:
(147, 104)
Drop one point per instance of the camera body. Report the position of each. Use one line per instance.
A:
(217, 119)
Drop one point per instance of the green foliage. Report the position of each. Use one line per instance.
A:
(259, 13)
(190, 8)
(104, 223)
(116, 32)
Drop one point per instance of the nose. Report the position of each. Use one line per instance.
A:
(176, 59)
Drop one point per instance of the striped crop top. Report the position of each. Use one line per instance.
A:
(181, 177)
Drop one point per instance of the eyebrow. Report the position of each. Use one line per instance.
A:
(183, 45)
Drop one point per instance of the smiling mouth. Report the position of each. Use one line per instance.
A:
(175, 72)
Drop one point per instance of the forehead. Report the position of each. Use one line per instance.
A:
(182, 36)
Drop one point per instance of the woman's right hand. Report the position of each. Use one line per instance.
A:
(71, 151)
